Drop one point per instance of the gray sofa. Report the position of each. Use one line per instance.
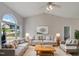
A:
(42, 40)
(71, 46)
(34, 42)
(19, 51)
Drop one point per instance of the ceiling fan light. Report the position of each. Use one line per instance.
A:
(47, 8)
(50, 7)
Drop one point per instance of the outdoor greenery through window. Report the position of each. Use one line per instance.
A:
(10, 26)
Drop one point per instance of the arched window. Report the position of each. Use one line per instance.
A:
(10, 25)
(9, 18)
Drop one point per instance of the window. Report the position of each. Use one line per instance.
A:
(9, 18)
(10, 26)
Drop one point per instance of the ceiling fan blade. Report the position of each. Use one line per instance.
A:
(53, 4)
(57, 5)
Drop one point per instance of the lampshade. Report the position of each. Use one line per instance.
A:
(57, 34)
(27, 34)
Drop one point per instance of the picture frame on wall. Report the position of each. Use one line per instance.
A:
(42, 29)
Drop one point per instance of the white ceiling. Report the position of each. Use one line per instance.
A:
(27, 9)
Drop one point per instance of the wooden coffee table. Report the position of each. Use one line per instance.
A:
(44, 50)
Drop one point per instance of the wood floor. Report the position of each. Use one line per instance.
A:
(31, 52)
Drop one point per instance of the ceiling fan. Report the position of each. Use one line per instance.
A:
(51, 5)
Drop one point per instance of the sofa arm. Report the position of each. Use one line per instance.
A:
(7, 52)
(62, 42)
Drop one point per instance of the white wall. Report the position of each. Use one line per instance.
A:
(55, 24)
(5, 10)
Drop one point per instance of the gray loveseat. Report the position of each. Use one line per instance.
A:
(19, 51)
(71, 46)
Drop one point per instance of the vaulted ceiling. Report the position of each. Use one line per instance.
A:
(27, 9)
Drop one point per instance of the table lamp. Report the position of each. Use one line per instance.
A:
(58, 39)
(27, 35)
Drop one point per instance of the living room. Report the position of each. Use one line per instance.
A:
(31, 29)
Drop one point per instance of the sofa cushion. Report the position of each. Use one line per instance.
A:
(36, 37)
(71, 42)
(21, 48)
(21, 41)
(48, 37)
(48, 41)
(75, 41)
(32, 37)
(37, 41)
(71, 47)
(51, 37)
(66, 48)
(68, 41)
(15, 43)
(9, 45)
(23, 44)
